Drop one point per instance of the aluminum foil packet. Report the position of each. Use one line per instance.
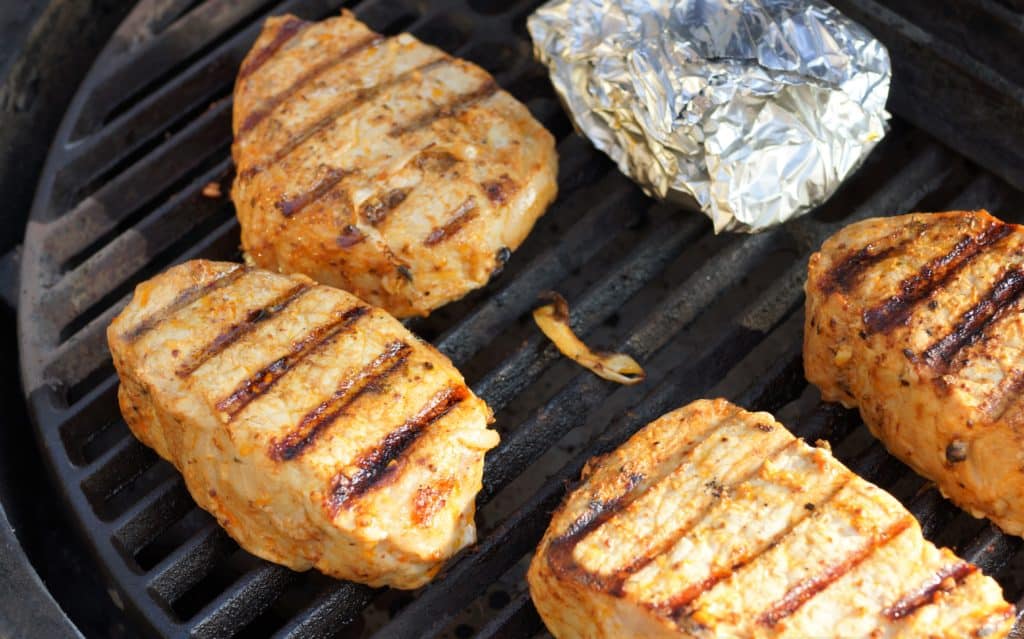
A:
(756, 109)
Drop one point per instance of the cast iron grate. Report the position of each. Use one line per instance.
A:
(121, 199)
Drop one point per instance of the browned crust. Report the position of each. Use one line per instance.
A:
(376, 463)
(319, 420)
(237, 331)
(264, 379)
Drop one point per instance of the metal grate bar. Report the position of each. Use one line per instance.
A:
(152, 514)
(150, 62)
(991, 549)
(336, 607)
(111, 267)
(141, 182)
(242, 602)
(518, 619)
(188, 563)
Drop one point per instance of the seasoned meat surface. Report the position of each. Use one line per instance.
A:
(314, 427)
(917, 321)
(382, 166)
(716, 522)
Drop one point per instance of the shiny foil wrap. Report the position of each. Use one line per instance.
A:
(756, 109)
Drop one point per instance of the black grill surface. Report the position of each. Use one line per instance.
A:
(121, 199)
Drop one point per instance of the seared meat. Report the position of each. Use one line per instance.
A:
(315, 428)
(716, 522)
(917, 320)
(382, 166)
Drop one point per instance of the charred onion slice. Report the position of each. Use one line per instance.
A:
(553, 321)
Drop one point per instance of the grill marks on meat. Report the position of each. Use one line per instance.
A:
(184, 299)
(459, 218)
(290, 28)
(945, 579)
(799, 594)
(356, 153)
(315, 428)
(450, 109)
(342, 108)
(377, 208)
(332, 177)
(998, 302)
(761, 542)
(272, 103)
(930, 347)
(847, 272)
(371, 378)
(264, 379)
(932, 276)
(377, 463)
(239, 330)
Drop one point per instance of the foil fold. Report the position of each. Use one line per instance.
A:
(755, 109)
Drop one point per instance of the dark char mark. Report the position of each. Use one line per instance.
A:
(350, 236)
(559, 554)
(500, 190)
(924, 595)
(452, 108)
(375, 464)
(997, 302)
(458, 219)
(239, 330)
(845, 273)
(932, 276)
(264, 379)
(377, 208)
(318, 420)
(185, 298)
(291, 206)
(362, 96)
(291, 28)
(268, 106)
(806, 589)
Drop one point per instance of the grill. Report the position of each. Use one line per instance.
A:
(121, 199)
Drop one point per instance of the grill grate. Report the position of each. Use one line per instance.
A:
(121, 200)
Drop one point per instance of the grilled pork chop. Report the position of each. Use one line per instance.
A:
(382, 166)
(315, 428)
(917, 320)
(716, 522)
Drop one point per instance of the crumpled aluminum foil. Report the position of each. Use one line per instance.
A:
(757, 109)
